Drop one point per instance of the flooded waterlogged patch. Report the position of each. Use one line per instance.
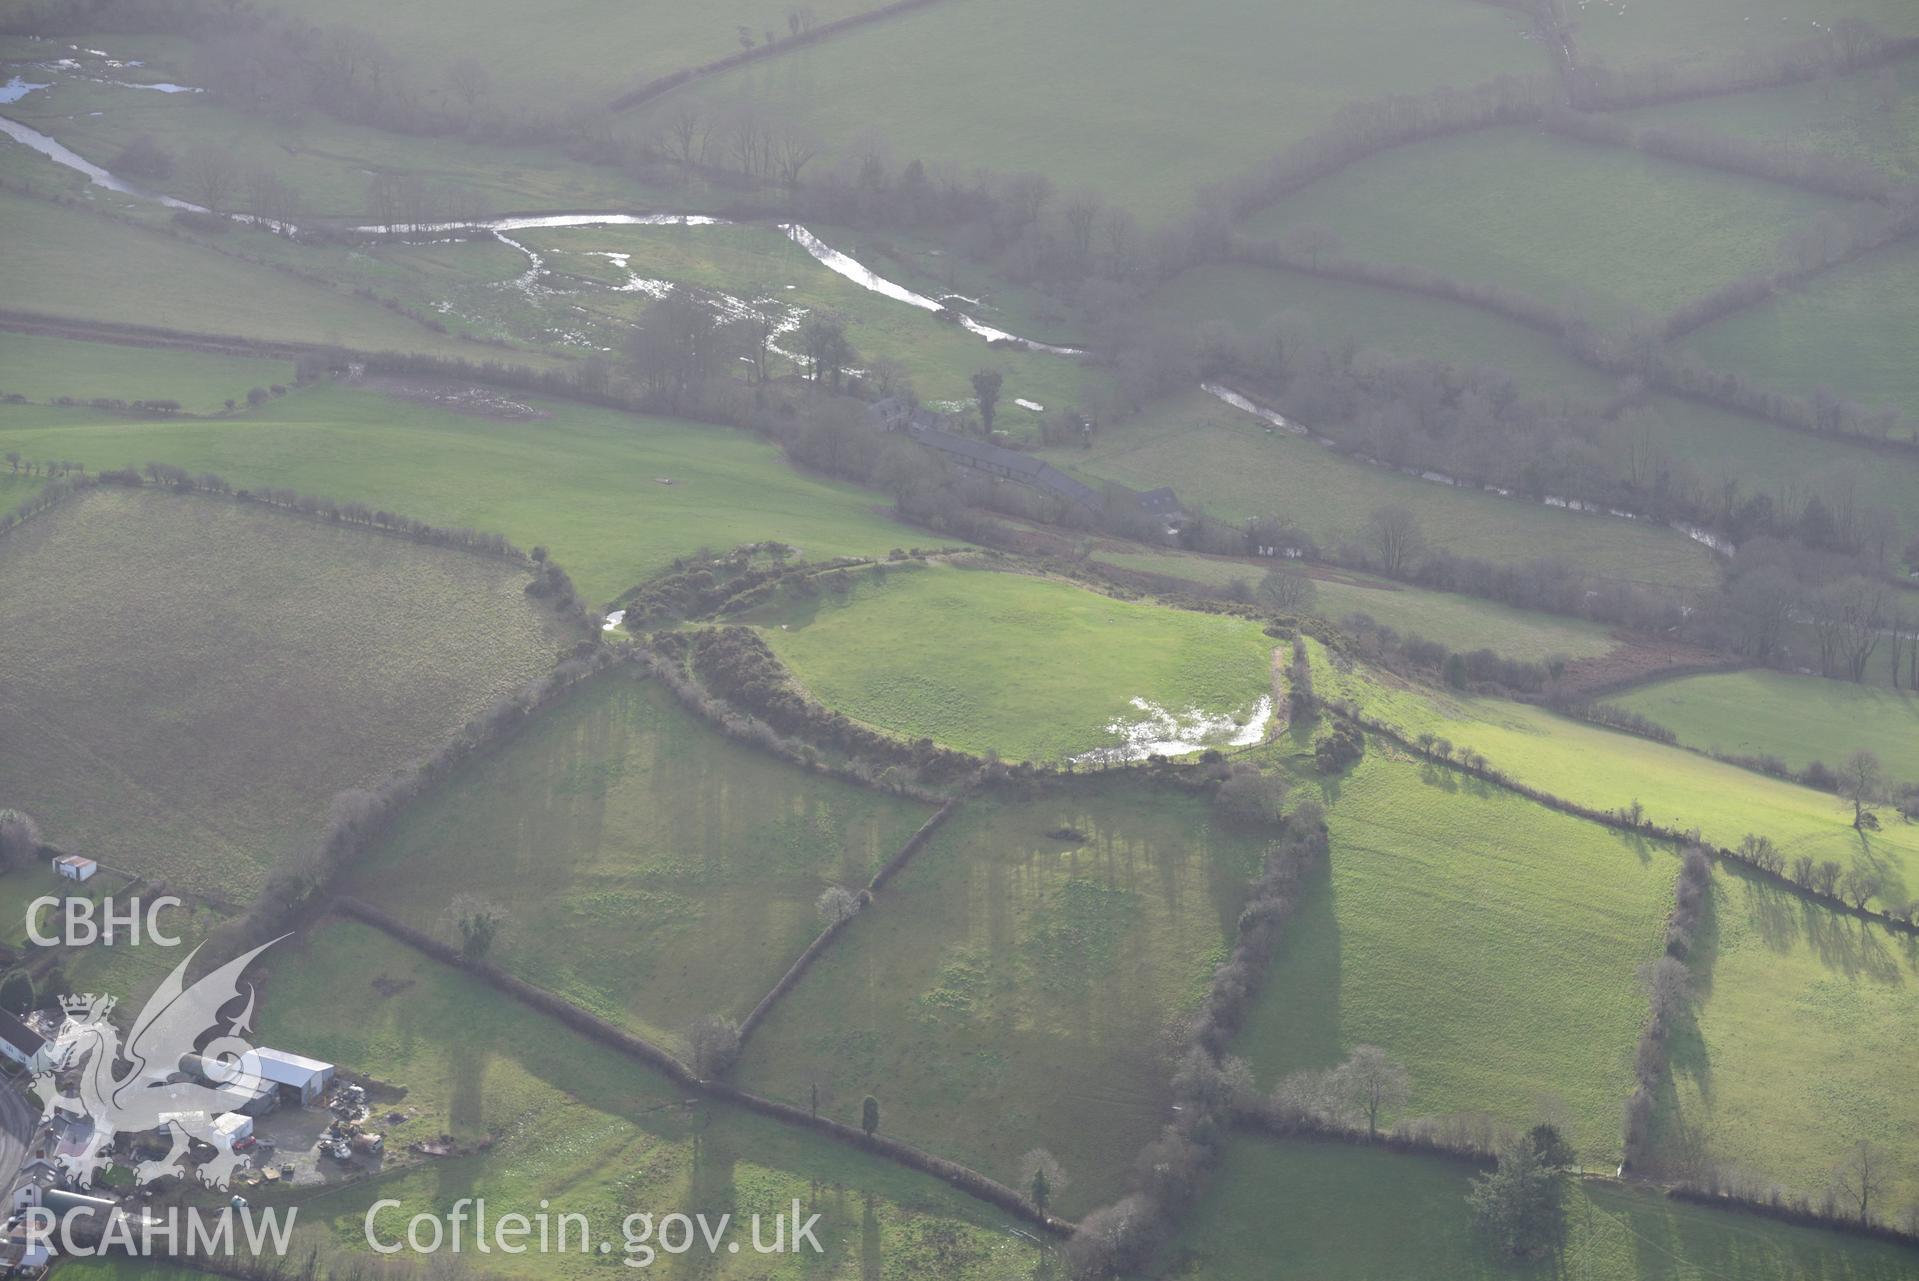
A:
(1159, 732)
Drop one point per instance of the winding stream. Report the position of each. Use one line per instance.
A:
(841, 264)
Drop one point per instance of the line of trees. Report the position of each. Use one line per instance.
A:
(1208, 1086)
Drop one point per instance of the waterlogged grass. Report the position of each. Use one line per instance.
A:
(1011, 988)
(1608, 771)
(1487, 943)
(1804, 1030)
(1796, 718)
(760, 265)
(1138, 100)
(1232, 465)
(72, 263)
(45, 368)
(1340, 1213)
(1554, 219)
(653, 871)
(582, 483)
(571, 1126)
(1030, 667)
(1462, 623)
(1849, 330)
(197, 677)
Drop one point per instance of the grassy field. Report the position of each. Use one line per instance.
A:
(1806, 1023)
(1317, 1206)
(758, 262)
(1458, 622)
(581, 482)
(1228, 463)
(1848, 117)
(1796, 718)
(581, 56)
(570, 1122)
(654, 871)
(1033, 89)
(1606, 770)
(90, 267)
(1499, 207)
(42, 368)
(1249, 300)
(1849, 329)
(1011, 987)
(327, 162)
(1030, 667)
(193, 726)
(1712, 31)
(1486, 942)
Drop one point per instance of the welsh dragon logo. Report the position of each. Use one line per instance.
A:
(147, 1095)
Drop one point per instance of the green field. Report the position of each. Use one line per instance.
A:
(575, 1124)
(1806, 1026)
(1500, 207)
(1340, 1213)
(1851, 117)
(45, 368)
(581, 482)
(1230, 464)
(1011, 988)
(1796, 718)
(653, 871)
(91, 267)
(1486, 942)
(1032, 668)
(193, 726)
(1849, 330)
(1463, 623)
(328, 163)
(1605, 770)
(1250, 300)
(1713, 32)
(1134, 99)
(581, 56)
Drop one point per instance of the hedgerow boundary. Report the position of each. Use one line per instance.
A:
(638, 1048)
(1491, 776)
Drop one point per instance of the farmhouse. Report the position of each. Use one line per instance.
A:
(21, 1045)
(75, 867)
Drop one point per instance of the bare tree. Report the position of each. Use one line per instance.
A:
(1862, 781)
(1371, 1083)
(211, 174)
(1396, 538)
(470, 81)
(19, 838)
(715, 1041)
(1862, 1177)
(837, 903)
(1287, 593)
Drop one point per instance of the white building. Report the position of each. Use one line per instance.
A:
(75, 867)
(299, 1079)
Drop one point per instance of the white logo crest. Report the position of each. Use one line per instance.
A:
(155, 1093)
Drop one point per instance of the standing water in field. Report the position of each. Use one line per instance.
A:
(1162, 733)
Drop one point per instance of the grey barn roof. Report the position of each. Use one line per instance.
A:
(1010, 463)
(20, 1036)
